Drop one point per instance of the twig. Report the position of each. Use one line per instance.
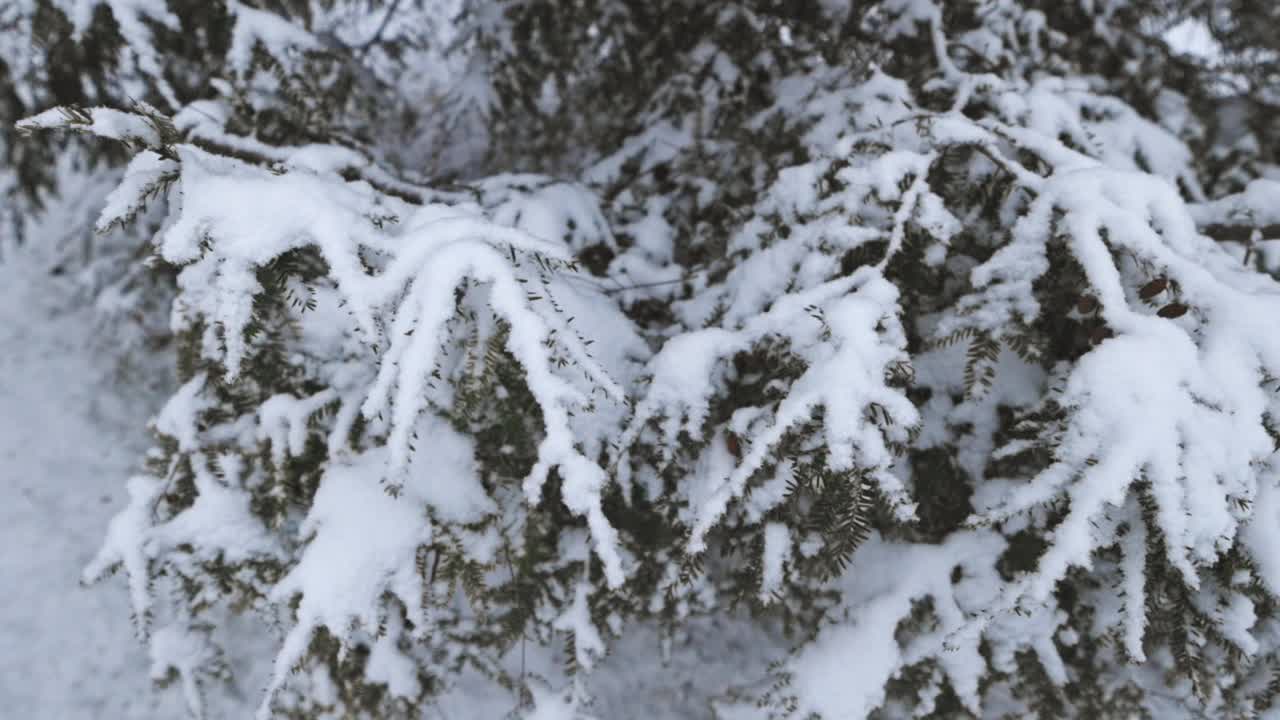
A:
(386, 20)
(168, 483)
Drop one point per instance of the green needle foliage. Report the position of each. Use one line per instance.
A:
(935, 338)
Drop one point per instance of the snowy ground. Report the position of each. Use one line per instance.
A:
(69, 438)
(67, 441)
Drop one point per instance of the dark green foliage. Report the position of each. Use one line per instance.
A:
(574, 84)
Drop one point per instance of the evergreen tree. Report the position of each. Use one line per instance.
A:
(937, 336)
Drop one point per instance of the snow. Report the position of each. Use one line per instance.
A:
(547, 209)
(389, 666)
(1258, 205)
(1260, 533)
(142, 178)
(1157, 448)
(179, 418)
(844, 672)
(363, 542)
(259, 28)
(1193, 37)
(282, 419)
(453, 493)
(101, 121)
(587, 643)
(80, 471)
(433, 252)
(844, 378)
(1135, 596)
(777, 548)
(218, 525)
(67, 443)
(175, 649)
(1138, 395)
(124, 547)
(1237, 621)
(132, 17)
